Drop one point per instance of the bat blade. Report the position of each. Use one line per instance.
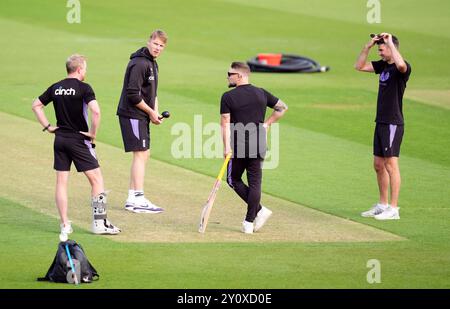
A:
(208, 207)
(212, 196)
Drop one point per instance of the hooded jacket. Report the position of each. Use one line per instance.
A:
(140, 83)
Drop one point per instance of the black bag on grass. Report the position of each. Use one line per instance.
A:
(61, 270)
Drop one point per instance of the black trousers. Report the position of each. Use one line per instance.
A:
(251, 194)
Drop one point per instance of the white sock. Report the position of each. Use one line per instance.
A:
(130, 195)
(138, 194)
(383, 205)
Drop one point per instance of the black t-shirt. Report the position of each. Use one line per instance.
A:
(70, 99)
(247, 106)
(390, 92)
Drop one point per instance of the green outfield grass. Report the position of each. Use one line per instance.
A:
(325, 153)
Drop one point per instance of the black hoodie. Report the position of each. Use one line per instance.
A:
(140, 83)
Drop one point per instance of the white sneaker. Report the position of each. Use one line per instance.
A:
(375, 210)
(261, 218)
(247, 227)
(142, 205)
(129, 205)
(65, 231)
(103, 226)
(391, 213)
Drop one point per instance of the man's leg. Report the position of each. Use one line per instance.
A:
(382, 179)
(236, 168)
(392, 142)
(62, 178)
(392, 212)
(383, 187)
(136, 139)
(137, 173)
(100, 223)
(393, 170)
(136, 201)
(254, 178)
(96, 180)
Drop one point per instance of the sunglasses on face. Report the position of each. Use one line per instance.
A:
(231, 73)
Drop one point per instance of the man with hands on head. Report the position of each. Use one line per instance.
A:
(394, 73)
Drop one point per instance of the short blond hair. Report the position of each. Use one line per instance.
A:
(74, 62)
(160, 34)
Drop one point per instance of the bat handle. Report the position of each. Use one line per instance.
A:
(224, 166)
(71, 265)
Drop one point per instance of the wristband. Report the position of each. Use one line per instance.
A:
(46, 128)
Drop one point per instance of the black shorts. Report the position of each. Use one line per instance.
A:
(76, 150)
(387, 140)
(135, 134)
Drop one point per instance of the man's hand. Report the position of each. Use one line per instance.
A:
(90, 135)
(154, 118)
(52, 129)
(372, 42)
(226, 151)
(266, 126)
(387, 37)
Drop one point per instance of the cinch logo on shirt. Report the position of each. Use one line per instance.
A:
(384, 76)
(62, 91)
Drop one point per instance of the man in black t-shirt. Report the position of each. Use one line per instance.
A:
(138, 106)
(74, 139)
(244, 135)
(394, 74)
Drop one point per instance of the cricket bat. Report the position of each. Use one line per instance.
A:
(212, 196)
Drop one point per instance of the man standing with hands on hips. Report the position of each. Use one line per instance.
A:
(394, 74)
(138, 107)
(244, 135)
(72, 98)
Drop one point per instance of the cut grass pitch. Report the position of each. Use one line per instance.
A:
(181, 192)
(325, 155)
(28, 246)
(439, 98)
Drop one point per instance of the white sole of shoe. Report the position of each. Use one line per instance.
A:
(129, 208)
(389, 218)
(105, 233)
(367, 216)
(141, 210)
(145, 211)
